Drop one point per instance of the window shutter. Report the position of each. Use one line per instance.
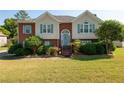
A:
(41, 28)
(44, 28)
(78, 28)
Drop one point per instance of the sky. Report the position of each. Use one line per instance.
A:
(102, 14)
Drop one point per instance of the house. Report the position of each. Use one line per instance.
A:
(3, 39)
(59, 31)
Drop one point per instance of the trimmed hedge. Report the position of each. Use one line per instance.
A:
(88, 48)
(93, 48)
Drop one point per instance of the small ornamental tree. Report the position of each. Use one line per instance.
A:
(76, 45)
(33, 42)
(109, 31)
(22, 15)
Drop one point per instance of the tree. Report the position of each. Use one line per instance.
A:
(4, 31)
(33, 42)
(109, 31)
(11, 26)
(22, 15)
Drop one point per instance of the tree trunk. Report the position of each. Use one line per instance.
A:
(107, 49)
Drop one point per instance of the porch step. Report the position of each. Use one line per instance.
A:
(67, 51)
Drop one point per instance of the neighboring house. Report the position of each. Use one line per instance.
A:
(60, 30)
(3, 39)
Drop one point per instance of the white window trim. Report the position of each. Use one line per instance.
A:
(93, 30)
(47, 43)
(24, 29)
(51, 32)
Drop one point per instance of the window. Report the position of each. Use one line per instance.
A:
(27, 29)
(86, 41)
(86, 27)
(81, 30)
(91, 28)
(46, 28)
(47, 43)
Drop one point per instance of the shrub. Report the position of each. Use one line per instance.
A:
(100, 49)
(33, 42)
(42, 50)
(53, 51)
(111, 47)
(19, 52)
(23, 52)
(14, 47)
(88, 48)
(28, 51)
(76, 45)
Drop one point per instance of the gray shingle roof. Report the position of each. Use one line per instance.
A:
(65, 18)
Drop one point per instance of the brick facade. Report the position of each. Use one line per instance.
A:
(23, 36)
(53, 42)
(63, 26)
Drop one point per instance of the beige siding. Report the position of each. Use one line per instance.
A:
(47, 20)
(76, 35)
(3, 40)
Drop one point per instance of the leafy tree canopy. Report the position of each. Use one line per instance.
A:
(110, 30)
(4, 31)
(11, 26)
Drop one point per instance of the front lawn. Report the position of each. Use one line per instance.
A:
(76, 69)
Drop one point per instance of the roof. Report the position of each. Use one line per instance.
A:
(65, 19)
(60, 18)
(25, 21)
(88, 13)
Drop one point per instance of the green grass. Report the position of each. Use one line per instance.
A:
(76, 69)
(3, 48)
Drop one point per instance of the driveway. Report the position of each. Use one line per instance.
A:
(3, 53)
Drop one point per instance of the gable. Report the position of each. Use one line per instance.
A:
(46, 15)
(87, 16)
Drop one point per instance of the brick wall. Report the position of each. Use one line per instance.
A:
(23, 36)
